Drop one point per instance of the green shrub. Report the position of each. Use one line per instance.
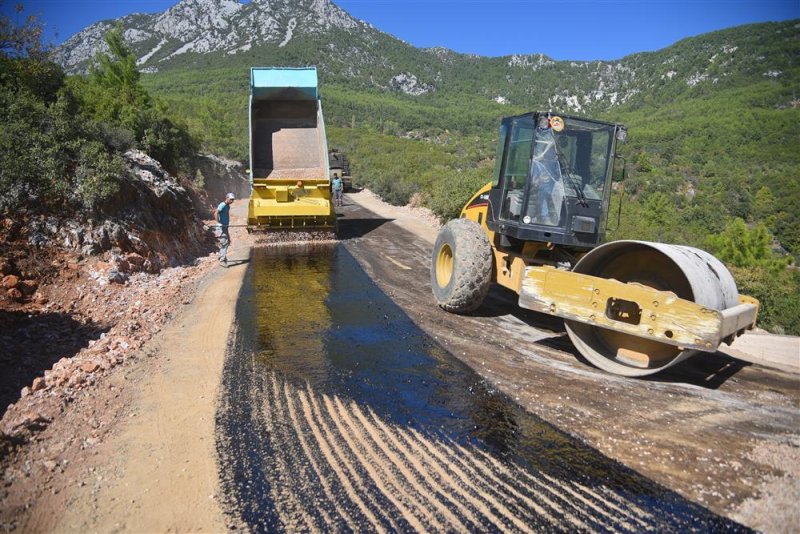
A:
(453, 188)
(97, 175)
(113, 95)
(741, 246)
(66, 164)
(777, 292)
(169, 143)
(62, 139)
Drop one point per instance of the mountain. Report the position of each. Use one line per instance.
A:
(208, 33)
(209, 26)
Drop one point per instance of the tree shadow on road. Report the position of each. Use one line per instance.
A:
(31, 343)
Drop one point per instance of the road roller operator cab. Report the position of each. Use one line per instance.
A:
(552, 180)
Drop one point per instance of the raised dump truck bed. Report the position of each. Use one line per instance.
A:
(289, 172)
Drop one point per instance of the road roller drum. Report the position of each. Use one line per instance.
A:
(690, 273)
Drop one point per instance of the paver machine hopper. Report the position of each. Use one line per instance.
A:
(632, 308)
(289, 174)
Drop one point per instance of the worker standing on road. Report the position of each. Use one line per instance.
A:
(223, 219)
(338, 187)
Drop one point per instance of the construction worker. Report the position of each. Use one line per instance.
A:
(338, 187)
(223, 219)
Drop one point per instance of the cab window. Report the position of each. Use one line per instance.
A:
(515, 170)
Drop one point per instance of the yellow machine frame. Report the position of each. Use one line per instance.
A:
(661, 316)
(282, 204)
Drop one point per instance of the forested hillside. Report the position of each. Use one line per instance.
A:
(713, 121)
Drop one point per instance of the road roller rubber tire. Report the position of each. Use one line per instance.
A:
(461, 267)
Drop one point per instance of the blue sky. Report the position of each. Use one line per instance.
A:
(561, 29)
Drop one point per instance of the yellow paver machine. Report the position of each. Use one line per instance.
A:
(289, 174)
(632, 308)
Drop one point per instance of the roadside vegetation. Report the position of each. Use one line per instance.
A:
(63, 138)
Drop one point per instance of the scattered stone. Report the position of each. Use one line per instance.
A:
(80, 303)
(39, 383)
(28, 287)
(136, 261)
(121, 265)
(75, 380)
(14, 294)
(37, 240)
(90, 367)
(117, 277)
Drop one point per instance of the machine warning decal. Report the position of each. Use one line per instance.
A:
(479, 201)
(557, 123)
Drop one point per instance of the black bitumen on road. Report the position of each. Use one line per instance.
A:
(337, 412)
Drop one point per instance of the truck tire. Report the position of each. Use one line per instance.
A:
(461, 266)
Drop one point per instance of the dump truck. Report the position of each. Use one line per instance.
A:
(632, 308)
(290, 185)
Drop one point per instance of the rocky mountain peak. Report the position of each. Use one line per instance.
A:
(207, 26)
(195, 17)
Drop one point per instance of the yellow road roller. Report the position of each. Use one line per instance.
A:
(632, 308)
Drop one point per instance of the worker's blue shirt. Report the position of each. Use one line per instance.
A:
(224, 213)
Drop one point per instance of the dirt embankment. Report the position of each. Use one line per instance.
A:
(80, 299)
(93, 282)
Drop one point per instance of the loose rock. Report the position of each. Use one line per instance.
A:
(39, 383)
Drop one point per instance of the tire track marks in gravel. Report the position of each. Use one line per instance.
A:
(292, 511)
(440, 480)
(414, 517)
(415, 481)
(309, 451)
(360, 475)
(545, 494)
(494, 492)
(611, 517)
(340, 466)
